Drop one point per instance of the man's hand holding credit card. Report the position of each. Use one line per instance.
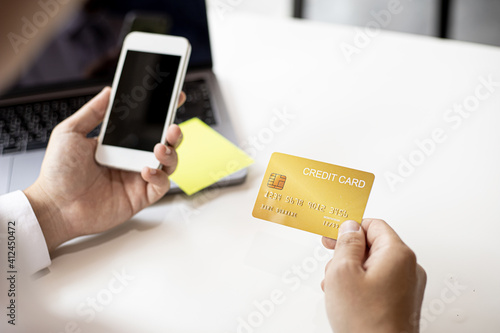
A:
(310, 195)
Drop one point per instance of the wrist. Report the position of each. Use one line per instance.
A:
(48, 215)
(372, 322)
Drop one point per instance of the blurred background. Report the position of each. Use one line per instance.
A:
(467, 20)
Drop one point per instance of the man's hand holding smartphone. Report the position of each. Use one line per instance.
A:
(148, 81)
(74, 196)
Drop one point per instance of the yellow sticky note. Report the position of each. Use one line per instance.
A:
(205, 157)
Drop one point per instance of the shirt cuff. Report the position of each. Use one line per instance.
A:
(29, 239)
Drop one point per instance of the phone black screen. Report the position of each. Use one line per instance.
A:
(141, 101)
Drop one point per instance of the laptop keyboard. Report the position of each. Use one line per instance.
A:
(197, 104)
(28, 126)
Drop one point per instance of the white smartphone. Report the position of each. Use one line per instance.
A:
(144, 95)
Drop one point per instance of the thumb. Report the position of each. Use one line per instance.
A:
(351, 243)
(90, 115)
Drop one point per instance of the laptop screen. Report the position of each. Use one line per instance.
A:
(85, 50)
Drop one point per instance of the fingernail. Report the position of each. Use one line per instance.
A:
(152, 171)
(348, 226)
(180, 139)
(168, 150)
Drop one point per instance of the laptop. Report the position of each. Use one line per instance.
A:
(81, 59)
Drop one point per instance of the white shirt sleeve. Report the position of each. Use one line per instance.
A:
(22, 244)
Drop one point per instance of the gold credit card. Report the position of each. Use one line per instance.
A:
(310, 195)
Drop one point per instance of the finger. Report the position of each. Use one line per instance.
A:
(167, 156)
(351, 243)
(158, 183)
(328, 264)
(174, 136)
(379, 232)
(329, 243)
(90, 115)
(182, 99)
(386, 247)
(421, 282)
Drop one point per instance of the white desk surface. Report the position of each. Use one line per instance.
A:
(199, 264)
